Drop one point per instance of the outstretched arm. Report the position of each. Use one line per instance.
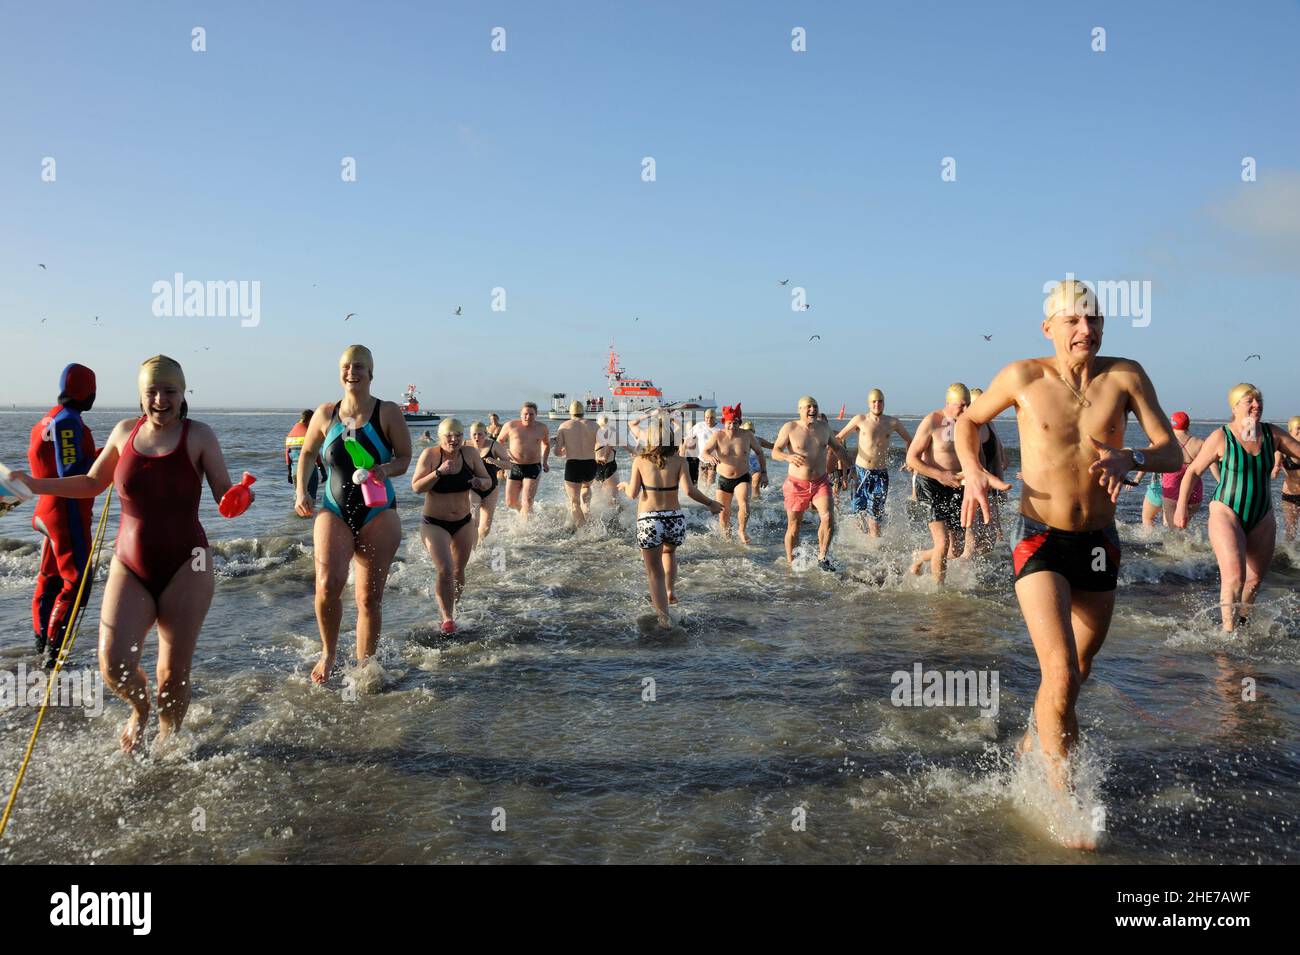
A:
(997, 398)
(686, 486)
(90, 484)
(1211, 450)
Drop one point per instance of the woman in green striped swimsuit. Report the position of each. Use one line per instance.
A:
(1242, 527)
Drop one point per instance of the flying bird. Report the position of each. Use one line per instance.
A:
(44, 320)
(457, 312)
(42, 265)
(348, 315)
(811, 337)
(1249, 357)
(806, 307)
(988, 338)
(783, 282)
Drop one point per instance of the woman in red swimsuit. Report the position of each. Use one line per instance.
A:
(161, 572)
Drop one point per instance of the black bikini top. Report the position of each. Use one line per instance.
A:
(456, 482)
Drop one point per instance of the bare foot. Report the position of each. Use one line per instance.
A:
(320, 673)
(915, 569)
(672, 599)
(665, 621)
(744, 539)
(133, 732)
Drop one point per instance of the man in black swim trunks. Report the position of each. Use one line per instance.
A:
(1072, 408)
(607, 456)
(933, 457)
(528, 442)
(575, 441)
(731, 448)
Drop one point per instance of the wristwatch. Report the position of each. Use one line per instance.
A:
(1139, 459)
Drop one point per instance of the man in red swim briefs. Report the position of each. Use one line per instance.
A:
(803, 444)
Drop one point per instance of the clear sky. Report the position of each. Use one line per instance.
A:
(522, 170)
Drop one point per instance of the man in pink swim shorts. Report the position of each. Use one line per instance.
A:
(803, 444)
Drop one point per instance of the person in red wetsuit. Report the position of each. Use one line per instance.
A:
(61, 446)
(161, 572)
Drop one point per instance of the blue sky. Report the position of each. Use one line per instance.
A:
(522, 170)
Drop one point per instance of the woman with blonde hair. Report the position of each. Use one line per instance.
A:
(364, 443)
(496, 458)
(445, 475)
(162, 571)
(1242, 527)
(659, 475)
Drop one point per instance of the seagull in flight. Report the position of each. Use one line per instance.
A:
(806, 307)
(96, 322)
(348, 315)
(44, 320)
(811, 337)
(783, 282)
(458, 310)
(988, 338)
(1249, 357)
(42, 265)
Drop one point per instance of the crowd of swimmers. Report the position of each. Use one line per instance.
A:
(1072, 408)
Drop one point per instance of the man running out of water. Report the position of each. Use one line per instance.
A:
(734, 448)
(932, 455)
(874, 430)
(575, 441)
(528, 442)
(1071, 409)
(607, 441)
(803, 444)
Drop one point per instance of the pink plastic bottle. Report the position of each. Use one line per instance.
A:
(235, 501)
(373, 492)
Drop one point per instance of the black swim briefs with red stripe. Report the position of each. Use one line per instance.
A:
(1088, 560)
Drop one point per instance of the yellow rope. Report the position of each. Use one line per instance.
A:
(74, 625)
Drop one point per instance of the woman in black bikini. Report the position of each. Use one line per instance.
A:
(1290, 468)
(497, 459)
(445, 475)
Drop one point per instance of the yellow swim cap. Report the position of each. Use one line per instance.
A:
(1070, 297)
(575, 408)
(875, 394)
(450, 425)
(1293, 423)
(476, 427)
(359, 355)
(957, 394)
(160, 368)
(1240, 391)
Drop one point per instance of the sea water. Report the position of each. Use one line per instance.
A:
(560, 726)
